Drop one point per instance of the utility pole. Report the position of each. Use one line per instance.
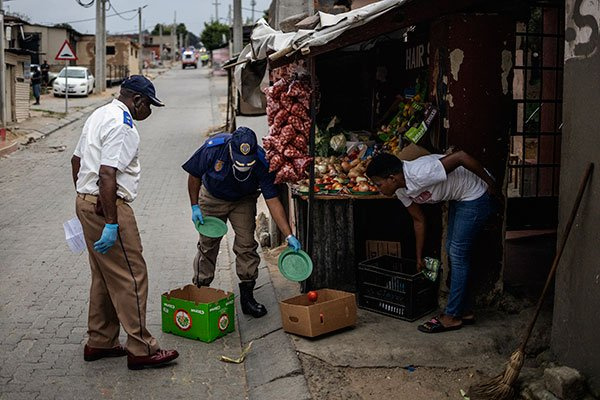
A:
(216, 4)
(141, 48)
(237, 26)
(252, 5)
(173, 37)
(2, 72)
(104, 77)
(160, 56)
(100, 47)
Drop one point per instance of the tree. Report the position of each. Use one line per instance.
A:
(166, 29)
(193, 40)
(63, 25)
(212, 35)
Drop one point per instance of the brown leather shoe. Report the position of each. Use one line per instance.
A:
(95, 353)
(161, 357)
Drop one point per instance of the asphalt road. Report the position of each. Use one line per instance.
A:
(44, 287)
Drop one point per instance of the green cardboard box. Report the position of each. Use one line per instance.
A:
(198, 313)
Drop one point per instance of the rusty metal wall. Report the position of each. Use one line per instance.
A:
(470, 80)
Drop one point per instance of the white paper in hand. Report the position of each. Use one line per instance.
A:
(74, 235)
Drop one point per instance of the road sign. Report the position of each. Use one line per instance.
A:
(66, 53)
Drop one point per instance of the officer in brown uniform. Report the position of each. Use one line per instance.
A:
(106, 172)
(225, 176)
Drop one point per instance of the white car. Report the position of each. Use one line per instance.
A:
(80, 81)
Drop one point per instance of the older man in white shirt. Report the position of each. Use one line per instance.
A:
(106, 173)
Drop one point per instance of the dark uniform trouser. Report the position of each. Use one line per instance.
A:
(117, 293)
(242, 215)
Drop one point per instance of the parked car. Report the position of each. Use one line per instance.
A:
(80, 81)
(189, 59)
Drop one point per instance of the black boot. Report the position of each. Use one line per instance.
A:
(247, 301)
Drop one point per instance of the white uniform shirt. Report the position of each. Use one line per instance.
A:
(427, 182)
(109, 138)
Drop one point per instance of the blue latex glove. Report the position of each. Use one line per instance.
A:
(108, 238)
(293, 243)
(197, 215)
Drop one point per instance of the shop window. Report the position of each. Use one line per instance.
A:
(110, 50)
(534, 160)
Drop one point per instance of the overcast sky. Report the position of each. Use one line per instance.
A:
(193, 13)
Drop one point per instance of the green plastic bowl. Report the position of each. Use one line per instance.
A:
(212, 227)
(295, 266)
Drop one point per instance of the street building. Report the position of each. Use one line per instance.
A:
(122, 56)
(17, 79)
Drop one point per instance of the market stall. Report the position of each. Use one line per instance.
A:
(364, 101)
(362, 83)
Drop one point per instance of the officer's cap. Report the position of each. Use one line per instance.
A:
(243, 147)
(142, 85)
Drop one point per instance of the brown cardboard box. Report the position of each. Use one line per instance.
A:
(377, 248)
(333, 310)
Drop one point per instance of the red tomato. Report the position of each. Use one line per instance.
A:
(312, 296)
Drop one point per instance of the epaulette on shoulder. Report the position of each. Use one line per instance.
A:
(127, 120)
(218, 141)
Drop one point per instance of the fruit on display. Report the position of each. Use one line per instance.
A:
(289, 129)
(410, 123)
(312, 296)
(339, 175)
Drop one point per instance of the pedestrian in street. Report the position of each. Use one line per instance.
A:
(462, 181)
(45, 73)
(225, 176)
(106, 172)
(36, 83)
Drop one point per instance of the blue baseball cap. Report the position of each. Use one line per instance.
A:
(142, 85)
(243, 147)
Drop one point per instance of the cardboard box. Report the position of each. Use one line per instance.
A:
(198, 313)
(333, 310)
(377, 248)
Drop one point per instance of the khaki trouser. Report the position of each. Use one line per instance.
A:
(118, 292)
(242, 215)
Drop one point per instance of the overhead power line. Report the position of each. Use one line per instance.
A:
(85, 5)
(110, 5)
(93, 19)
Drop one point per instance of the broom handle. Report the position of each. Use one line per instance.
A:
(563, 242)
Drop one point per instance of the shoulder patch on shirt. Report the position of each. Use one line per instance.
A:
(127, 120)
(262, 156)
(215, 142)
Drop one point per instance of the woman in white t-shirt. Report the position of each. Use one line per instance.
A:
(459, 179)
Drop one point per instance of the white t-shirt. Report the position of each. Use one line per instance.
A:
(109, 138)
(427, 182)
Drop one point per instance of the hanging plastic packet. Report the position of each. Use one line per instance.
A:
(432, 268)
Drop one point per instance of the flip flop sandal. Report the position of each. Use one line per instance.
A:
(435, 326)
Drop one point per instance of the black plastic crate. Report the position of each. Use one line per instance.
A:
(391, 286)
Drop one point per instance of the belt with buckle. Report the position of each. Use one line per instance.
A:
(92, 198)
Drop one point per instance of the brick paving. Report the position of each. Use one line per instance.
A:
(44, 287)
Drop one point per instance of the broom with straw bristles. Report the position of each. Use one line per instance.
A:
(502, 386)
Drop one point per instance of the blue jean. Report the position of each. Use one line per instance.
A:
(37, 89)
(465, 221)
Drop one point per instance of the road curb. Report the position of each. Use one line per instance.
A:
(34, 136)
(70, 118)
(273, 369)
(11, 148)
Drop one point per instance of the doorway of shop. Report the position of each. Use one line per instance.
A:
(534, 159)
